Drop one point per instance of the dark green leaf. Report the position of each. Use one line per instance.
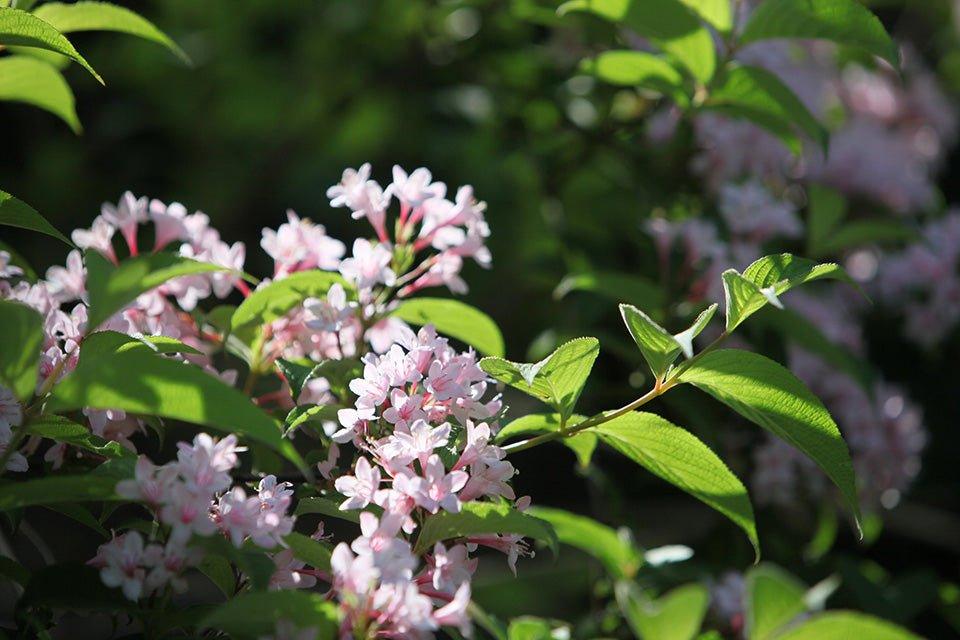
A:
(22, 330)
(253, 615)
(315, 554)
(16, 213)
(618, 287)
(66, 431)
(74, 587)
(827, 209)
(80, 514)
(220, 572)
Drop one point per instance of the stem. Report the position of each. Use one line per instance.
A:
(660, 387)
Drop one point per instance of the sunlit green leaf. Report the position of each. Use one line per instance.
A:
(614, 549)
(455, 319)
(635, 69)
(60, 429)
(19, 28)
(677, 615)
(718, 13)
(846, 22)
(27, 80)
(315, 554)
(657, 346)
(273, 300)
(22, 330)
(843, 625)
(479, 518)
(680, 458)
(254, 615)
(582, 444)
(772, 599)
(685, 337)
(769, 395)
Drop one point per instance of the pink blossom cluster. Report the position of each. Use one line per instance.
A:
(423, 435)
(191, 496)
(924, 281)
(888, 147)
(11, 415)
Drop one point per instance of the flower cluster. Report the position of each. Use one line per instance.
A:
(191, 496)
(424, 439)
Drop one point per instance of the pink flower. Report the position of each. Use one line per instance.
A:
(454, 613)
(419, 442)
(331, 312)
(98, 238)
(119, 561)
(237, 514)
(387, 332)
(369, 265)
(70, 283)
(126, 216)
(415, 189)
(169, 223)
(150, 483)
(360, 487)
(326, 466)
(439, 488)
(8, 270)
(392, 556)
(450, 569)
(404, 409)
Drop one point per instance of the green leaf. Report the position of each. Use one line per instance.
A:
(159, 344)
(19, 28)
(531, 628)
(22, 330)
(25, 79)
(220, 572)
(252, 615)
(685, 338)
(111, 287)
(296, 375)
(657, 346)
(10, 568)
(861, 232)
(827, 209)
(613, 286)
(478, 518)
(271, 301)
(314, 553)
(772, 598)
(103, 16)
(80, 514)
(66, 431)
(58, 489)
(635, 69)
(250, 559)
(144, 383)
(769, 395)
(717, 13)
(796, 329)
(582, 444)
(326, 507)
(303, 414)
(766, 279)
(677, 615)
(680, 458)
(843, 625)
(669, 24)
(557, 380)
(455, 319)
(753, 91)
(16, 213)
(846, 22)
(615, 549)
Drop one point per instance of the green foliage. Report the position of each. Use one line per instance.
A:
(250, 559)
(22, 328)
(253, 615)
(680, 458)
(60, 429)
(326, 507)
(16, 213)
(111, 287)
(637, 69)
(479, 518)
(61, 489)
(314, 553)
(767, 278)
(767, 394)
(677, 615)
(842, 625)
(24, 79)
(455, 319)
(582, 444)
(531, 628)
(615, 549)
(758, 95)
(685, 337)
(556, 380)
(144, 383)
(19, 28)
(772, 598)
(670, 25)
(843, 21)
(718, 13)
(273, 300)
(103, 16)
(76, 587)
(614, 286)
(658, 347)
(826, 235)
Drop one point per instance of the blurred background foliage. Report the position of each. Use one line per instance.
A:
(283, 95)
